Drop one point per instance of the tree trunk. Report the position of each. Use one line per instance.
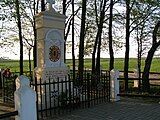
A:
(96, 43)
(42, 5)
(148, 61)
(99, 43)
(139, 64)
(126, 61)
(81, 44)
(35, 45)
(64, 7)
(20, 36)
(100, 27)
(98, 57)
(35, 38)
(111, 53)
(65, 38)
(30, 65)
(139, 47)
(94, 54)
(73, 53)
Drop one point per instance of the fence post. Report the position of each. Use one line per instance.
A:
(136, 82)
(114, 85)
(25, 99)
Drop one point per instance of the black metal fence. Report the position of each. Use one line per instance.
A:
(8, 88)
(9, 115)
(63, 95)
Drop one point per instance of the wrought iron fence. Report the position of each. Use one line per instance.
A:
(8, 88)
(9, 115)
(62, 95)
(59, 96)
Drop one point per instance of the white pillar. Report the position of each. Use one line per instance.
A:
(136, 74)
(25, 100)
(114, 85)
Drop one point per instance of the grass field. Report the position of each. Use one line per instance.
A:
(119, 64)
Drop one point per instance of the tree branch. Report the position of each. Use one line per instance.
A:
(155, 33)
(96, 12)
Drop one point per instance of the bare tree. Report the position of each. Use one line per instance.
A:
(100, 19)
(81, 42)
(111, 65)
(148, 61)
(73, 41)
(126, 61)
(20, 36)
(100, 28)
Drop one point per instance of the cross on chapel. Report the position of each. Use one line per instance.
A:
(50, 3)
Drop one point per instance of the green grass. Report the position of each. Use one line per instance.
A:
(14, 65)
(119, 64)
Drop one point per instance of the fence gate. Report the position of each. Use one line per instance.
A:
(55, 96)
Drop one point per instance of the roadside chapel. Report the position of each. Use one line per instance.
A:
(50, 27)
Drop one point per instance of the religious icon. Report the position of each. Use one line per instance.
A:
(54, 53)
